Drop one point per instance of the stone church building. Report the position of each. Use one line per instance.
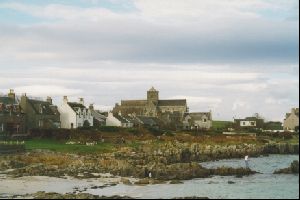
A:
(168, 110)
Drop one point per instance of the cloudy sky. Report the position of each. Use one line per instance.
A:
(234, 57)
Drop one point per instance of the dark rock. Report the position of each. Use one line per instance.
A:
(176, 182)
(293, 169)
(229, 171)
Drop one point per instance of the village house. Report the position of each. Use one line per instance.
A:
(249, 123)
(197, 121)
(168, 110)
(99, 119)
(12, 119)
(291, 121)
(118, 120)
(144, 121)
(39, 113)
(75, 115)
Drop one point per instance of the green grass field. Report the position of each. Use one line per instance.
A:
(220, 124)
(68, 148)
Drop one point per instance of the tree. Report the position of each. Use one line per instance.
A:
(86, 124)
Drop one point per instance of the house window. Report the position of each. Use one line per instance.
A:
(244, 123)
(252, 123)
(204, 120)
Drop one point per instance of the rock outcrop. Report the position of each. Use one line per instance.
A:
(292, 169)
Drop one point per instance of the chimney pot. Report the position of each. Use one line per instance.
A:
(49, 100)
(81, 101)
(65, 99)
(91, 107)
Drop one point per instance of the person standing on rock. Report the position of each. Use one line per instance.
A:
(150, 174)
(247, 161)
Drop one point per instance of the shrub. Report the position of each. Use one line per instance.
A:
(109, 128)
(134, 131)
(155, 131)
(169, 133)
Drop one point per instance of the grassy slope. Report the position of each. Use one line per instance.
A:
(67, 148)
(220, 124)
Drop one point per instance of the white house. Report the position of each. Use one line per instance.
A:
(118, 120)
(74, 115)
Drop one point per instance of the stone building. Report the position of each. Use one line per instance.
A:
(197, 121)
(168, 110)
(39, 113)
(291, 121)
(12, 118)
(99, 119)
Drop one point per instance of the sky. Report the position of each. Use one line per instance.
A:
(233, 57)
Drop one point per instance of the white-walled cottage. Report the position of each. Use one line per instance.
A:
(118, 120)
(74, 115)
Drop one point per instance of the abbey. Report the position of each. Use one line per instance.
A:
(153, 107)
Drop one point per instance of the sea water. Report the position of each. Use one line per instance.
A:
(265, 184)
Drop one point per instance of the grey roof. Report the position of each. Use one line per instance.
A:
(249, 119)
(148, 120)
(47, 108)
(296, 112)
(200, 115)
(172, 102)
(75, 105)
(123, 119)
(97, 115)
(134, 102)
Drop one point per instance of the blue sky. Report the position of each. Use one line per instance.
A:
(234, 57)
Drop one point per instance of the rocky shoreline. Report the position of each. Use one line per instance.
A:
(166, 161)
(53, 195)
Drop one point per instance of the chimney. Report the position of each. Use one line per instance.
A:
(49, 100)
(12, 94)
(81, 101)
(65, 99)
(91, 107)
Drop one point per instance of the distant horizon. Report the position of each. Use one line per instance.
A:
(235, 58)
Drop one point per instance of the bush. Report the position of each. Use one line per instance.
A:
(134, 131)
(155, 131)
(109, 128)
(169, 133)
(57, 134)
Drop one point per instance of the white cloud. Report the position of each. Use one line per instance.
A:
(238, 104)
(46, 90)
(58, 11)
(203, 102)
(220, 55)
